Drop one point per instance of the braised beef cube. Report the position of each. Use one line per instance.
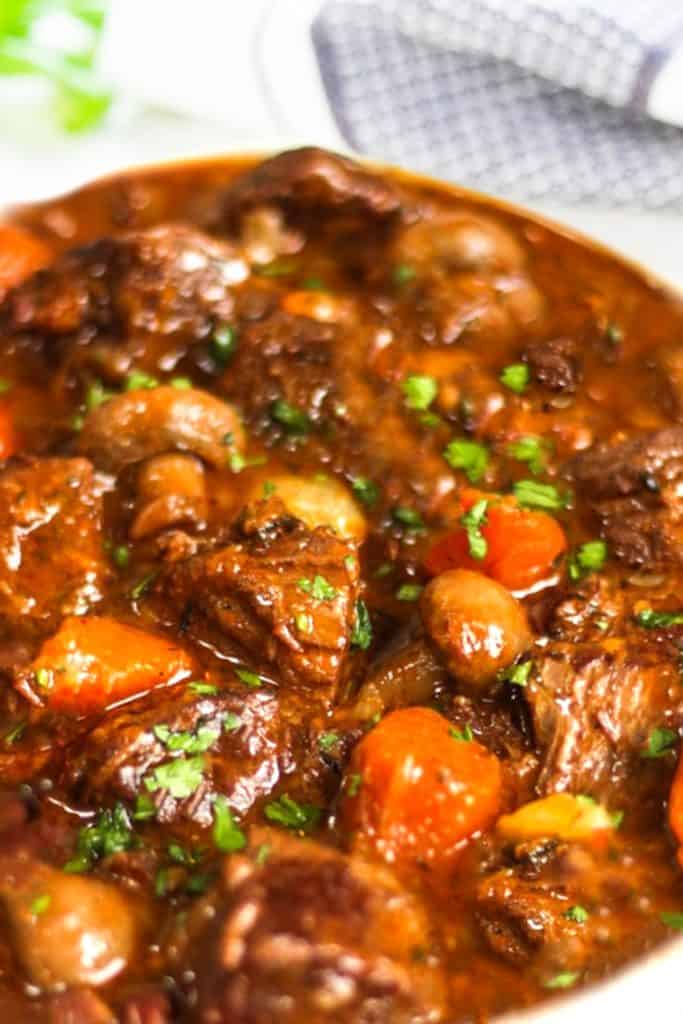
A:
(316, 181)
(634, 490)
(576, 906)
(281, 359)
(238, 742)
(170, 280)
(288, 596)
(594, 706)
(52, 561)
(555, 363)
(314, 935)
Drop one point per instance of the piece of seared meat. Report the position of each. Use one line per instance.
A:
(167, 281)
(313, 934)
(285, 593)
(555, 363)
(309, 180)
(52, 560)
(634, 490)
(555, 907)
(593, 707)
(242, 743)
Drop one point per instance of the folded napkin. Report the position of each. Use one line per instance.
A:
(540, 99)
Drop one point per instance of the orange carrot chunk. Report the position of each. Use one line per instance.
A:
(92, 662)
(521, 545)
(20, 255)
(417, 788)
(9, 439)
(676, 808)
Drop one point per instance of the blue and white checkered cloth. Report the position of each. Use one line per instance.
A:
(539, 99)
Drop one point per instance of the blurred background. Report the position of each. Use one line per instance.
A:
(572, 107)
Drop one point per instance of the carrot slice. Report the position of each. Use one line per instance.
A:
(20, 255)
(676, 808)
(522, 544)
(9, 439)
(417, 789)
(93, 662)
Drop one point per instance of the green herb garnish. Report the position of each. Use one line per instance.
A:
(650, 619)
(516, 377)
(180, 778)
(469, 456)
(295, 421)
(291, 814)
(138, 380)
(473, 520)
(188, 742)
(227, 835)
(589, 557)
(361, 635)
(319, 588)
(419, 391)
(532, 494)
(223, 343)
(409, 518)
(464, 735)
(248, 677)
(531, 450)
(409, 591)
(564, 980)
(577, 914)
(659, 743)
(365, 490)
(111, 833)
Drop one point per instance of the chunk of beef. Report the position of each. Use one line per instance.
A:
(285, 593)
(558, 907)
(51, 555)
(634, 489)
(593, 707)
(283, 357)
(170, 280)
(254, 740)
(314, 180)
(585, 610)
(314, 935)
(555, 363)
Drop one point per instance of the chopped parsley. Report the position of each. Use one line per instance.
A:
(648, 618)
(365, 490)
(350, 563)
(180, 778)
(407, 517)
(519, 674)
(464, 735)
(227, 835)
(145, 808)
(181, 383)
(138, 380)
(223, 343)
(353, 784)
(40, 904)
(327, 740)
(564, 980)
(143, 585)
(294, 421)
(188, 742)
(361, 635)
(403, 273)
(659, 743)
(532, 494)
(179, 855)
(291, 814)
(589, 557)
(269, 488)
(203, 689)
(120, 556)
(385, 569)
(419, 391)
(473, 520)
(43, 678)
(262, 854)
(303, 622)
(672, 919)
(111, 833)
(96, 395)
(515, 377)
(409, 591)
(248, 677)
(577, 914)
(319, 588)
(231, 721)
(469, 456)
(531, 450)
(5, 385)
(15, 733)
